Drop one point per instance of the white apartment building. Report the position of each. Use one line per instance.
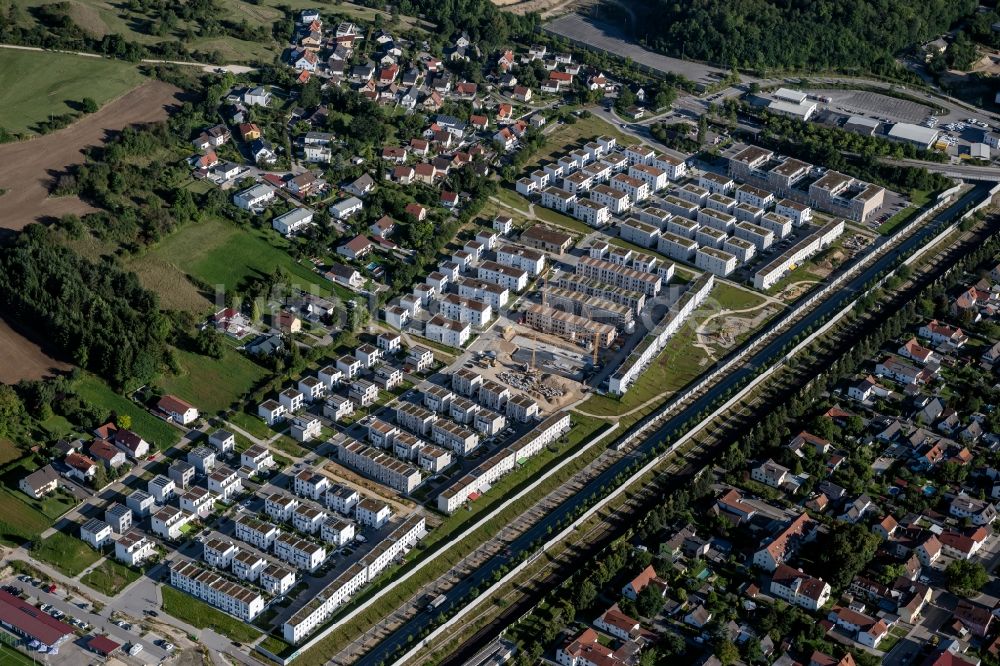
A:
(198, 502)
(637, 190)
(96, 533)
(279, 506)
(675, 167)
(448, 331)
(215, 590)
(487, 292)
(528, 260)
(456, 437)
(759, 236)
(133, 548)
(258, 458)
(372, 513)
(558, 199)
(716, 262)
(743, 250)
(655, 178)
(617, 202)
(640, 233)
(592, 213)
(709, 237)
(342, 499)
(338, 531)
(716, 219)
(508, 277)
(276, 579)
(258, 533)
(620, 276)
(312, 484)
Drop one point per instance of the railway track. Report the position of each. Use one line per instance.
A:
(522, 595)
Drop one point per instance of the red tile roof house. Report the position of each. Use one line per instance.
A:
(587, 650)
(821, 659)
(732, 502)
(974, 617)
(798, 588)
(356, 248)
(80, 466)
(785, 544)
(915, 351)
(104, 451)
(132, 444)
(648, 577)
(613, 621)
(869, 631)
(417, 211)
(177, 410)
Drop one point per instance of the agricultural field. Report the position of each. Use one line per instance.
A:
(110, 577)
(212, 384)
(153, 429)
(8, 451)
(58, 83)
(102, 17)
(66, 553)
(219, 253)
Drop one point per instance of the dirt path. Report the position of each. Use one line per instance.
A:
(27, 167)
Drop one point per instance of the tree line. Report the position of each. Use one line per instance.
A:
(92, 313)
(857, 35)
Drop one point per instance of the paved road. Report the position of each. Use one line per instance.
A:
(605, 37)
(594, 490)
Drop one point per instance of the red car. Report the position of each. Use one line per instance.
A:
(152, 457)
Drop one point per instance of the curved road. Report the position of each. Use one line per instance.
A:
(592, 491)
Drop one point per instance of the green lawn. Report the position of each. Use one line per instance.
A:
(676, 365)
(732, 297)
(23, 519)
(56, 79)
(567, 137)
(153, 429)
(198, 613)
(66, 553)
(110, 577)
(219, 253)
(918, 200)
(252, 424)
(274, 645)
(212, 384)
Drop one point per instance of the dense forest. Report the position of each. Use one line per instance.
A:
(94, 314)
(796, 34)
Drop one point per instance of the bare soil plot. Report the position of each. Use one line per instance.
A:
(21, 358)
(27, 168)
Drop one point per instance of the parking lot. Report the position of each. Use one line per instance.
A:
(148, 644)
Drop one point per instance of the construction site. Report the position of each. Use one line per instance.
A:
(548, 368)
